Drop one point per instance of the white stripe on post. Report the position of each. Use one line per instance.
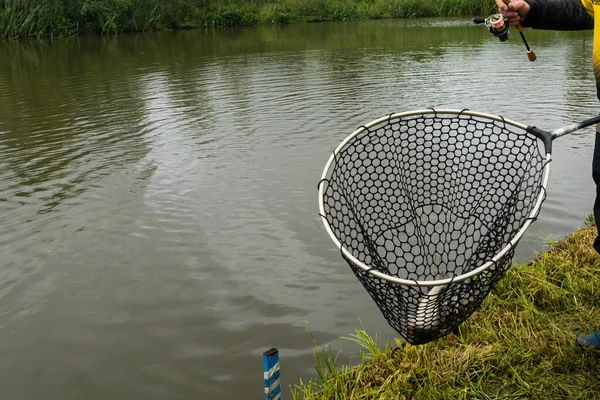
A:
(271, 374)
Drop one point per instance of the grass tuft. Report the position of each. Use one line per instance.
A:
(520, 344)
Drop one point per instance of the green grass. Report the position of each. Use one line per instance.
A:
(519, 345)
(58, 18)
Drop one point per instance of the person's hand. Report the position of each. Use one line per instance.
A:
(516, 10)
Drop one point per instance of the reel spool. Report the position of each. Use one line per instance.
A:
(497, 24)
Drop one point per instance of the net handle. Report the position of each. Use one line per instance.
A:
(440, 282)
(574, 127)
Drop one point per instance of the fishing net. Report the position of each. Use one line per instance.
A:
(427, 208)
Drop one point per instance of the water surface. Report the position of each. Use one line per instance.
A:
(158, 191)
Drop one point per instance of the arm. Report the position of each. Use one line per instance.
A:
(549, 14)
(562, 15)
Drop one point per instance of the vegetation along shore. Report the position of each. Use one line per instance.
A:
(58, 18)
(520, 344)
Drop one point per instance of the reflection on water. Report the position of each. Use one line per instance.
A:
(159, 200)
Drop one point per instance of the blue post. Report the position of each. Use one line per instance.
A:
(271, 374)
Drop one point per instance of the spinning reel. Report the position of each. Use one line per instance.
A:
(498, 25)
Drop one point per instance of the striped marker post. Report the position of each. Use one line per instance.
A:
(271, 374)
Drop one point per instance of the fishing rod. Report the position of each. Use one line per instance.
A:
(498, 25)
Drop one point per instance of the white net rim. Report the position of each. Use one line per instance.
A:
(439, 282)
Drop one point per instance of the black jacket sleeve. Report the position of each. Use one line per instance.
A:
(560, 15)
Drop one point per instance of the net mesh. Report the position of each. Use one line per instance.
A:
(432, 197)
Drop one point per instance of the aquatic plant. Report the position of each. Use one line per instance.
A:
(58, 18)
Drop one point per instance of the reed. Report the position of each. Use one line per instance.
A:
(59, 18)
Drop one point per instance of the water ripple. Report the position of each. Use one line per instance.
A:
(158, 192)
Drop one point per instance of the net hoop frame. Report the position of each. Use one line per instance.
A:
(440, 282)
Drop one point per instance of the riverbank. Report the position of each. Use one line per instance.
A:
(519, 345)
(59, 18)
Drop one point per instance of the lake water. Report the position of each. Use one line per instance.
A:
(158, 192)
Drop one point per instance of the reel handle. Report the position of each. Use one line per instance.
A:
(530, 53)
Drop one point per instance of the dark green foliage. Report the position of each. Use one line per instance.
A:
(58, 18)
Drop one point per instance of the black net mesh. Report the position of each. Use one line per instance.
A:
(432, 197)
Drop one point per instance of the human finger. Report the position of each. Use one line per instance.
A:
(502, 7)
(514, 19)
